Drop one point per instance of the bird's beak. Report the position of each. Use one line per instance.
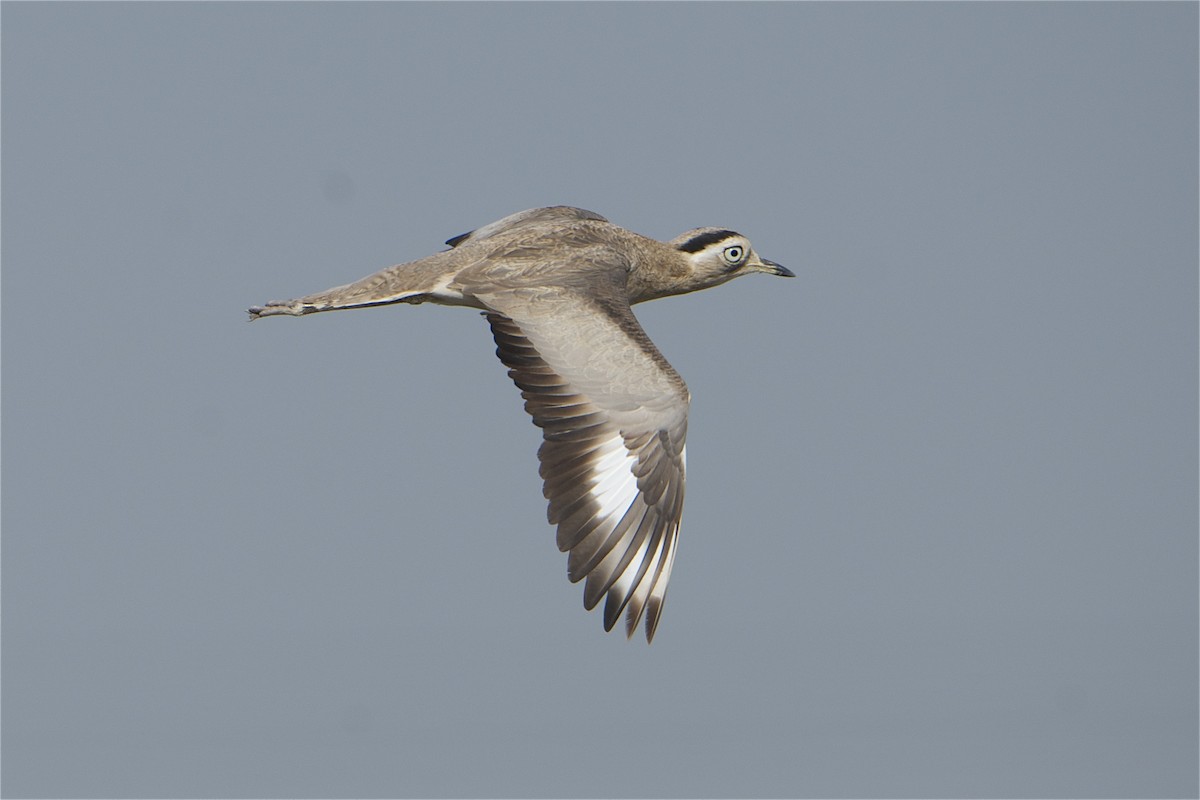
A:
(771, 268)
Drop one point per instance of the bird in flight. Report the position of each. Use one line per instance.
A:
(556, 285)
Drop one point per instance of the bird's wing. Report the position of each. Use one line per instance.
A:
(614, 419)
(530, 216)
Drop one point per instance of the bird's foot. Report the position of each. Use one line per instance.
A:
(291, 308)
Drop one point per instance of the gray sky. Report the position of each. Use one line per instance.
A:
(941, 528)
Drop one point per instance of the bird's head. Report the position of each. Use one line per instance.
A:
(716, 255)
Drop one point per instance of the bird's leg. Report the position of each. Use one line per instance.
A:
(293, 308)
(352, 295)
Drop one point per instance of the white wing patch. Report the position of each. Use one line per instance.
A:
(614, 485)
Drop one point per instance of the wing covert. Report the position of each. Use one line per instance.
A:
(549, 214)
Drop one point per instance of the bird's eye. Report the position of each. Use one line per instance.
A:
(733, 254)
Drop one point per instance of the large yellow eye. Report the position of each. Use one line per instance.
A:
(734, 253)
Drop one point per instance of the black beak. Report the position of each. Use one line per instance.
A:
(777, 269)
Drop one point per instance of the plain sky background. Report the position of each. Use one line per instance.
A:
(941, 529)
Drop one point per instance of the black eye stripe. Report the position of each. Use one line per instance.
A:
(703, 240)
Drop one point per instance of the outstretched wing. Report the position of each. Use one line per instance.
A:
(614, 419)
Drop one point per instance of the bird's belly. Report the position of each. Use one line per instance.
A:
(445, 295)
